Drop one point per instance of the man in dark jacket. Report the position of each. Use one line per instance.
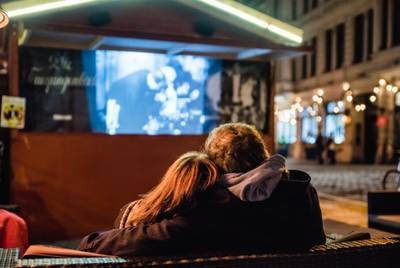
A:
(253, 208)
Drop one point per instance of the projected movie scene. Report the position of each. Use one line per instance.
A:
(118, 92)
(152, 93)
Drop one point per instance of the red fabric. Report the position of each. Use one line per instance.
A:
(13, 231)
(382, 121)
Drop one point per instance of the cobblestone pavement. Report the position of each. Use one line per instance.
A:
(345, 180)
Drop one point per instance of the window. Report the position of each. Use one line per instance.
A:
(384, 24)
(309, 129)
(276, 8)
(328, 50)
(370, 32)
(395, 22)
(314, 56)
(286, 127)
(314, 3)
(294, 9)
(294, 69)
(334, 125)
(304, 66)
(358, 38)
(305, 6)
(340, 30)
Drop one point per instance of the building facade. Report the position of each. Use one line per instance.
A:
(346, 87)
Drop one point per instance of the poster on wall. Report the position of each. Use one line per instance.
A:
(56, 84)
(240, 95)
(12, 112)
(125, 92)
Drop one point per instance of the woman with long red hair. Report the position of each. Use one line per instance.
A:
(190, 174)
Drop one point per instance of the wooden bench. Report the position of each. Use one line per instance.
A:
(378, 252)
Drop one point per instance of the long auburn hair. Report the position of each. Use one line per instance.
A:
(191, 173)
(236, 147)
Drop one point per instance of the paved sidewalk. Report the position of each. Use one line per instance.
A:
(345, 180)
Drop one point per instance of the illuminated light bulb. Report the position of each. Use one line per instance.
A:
(293, 121)
(358, 108)
(372, 98)
(298, 99)
(336, 110)
(382, 82)
(389, 87)
(315, 98)
(320, 92)
(319, 101)
(346, 86)
(376, 90)
(363, 107)
(346, 119)
(349, 98)
(395, 89)
(313, 113)
(318, 118)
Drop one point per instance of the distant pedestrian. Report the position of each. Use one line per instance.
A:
(319, 148)
(330, 151)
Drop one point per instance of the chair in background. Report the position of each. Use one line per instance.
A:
(384, 211)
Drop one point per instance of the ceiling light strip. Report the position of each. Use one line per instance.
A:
(263, 23)
(236, 12)
(43, 7)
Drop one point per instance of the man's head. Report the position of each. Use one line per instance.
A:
(236, 147)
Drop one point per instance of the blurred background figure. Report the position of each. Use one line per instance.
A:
(330, 151)
(319, 148)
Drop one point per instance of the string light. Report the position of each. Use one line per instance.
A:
(320, 92)
(395, 89)
(389, 87)
(376, 90)
(382, 82)
(346, 86)
(372, 98)
(349, 98)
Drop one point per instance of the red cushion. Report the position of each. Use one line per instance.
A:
(13, 231)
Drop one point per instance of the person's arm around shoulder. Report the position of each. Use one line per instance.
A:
(144, 239)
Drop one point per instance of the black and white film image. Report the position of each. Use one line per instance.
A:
(119, 92)
(241, 94)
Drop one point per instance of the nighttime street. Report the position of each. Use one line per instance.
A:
(200, 133)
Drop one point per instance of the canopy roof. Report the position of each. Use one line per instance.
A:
(172, 27)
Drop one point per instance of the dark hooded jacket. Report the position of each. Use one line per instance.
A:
(289, 219)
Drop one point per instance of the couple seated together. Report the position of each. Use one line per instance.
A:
(231, 197)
